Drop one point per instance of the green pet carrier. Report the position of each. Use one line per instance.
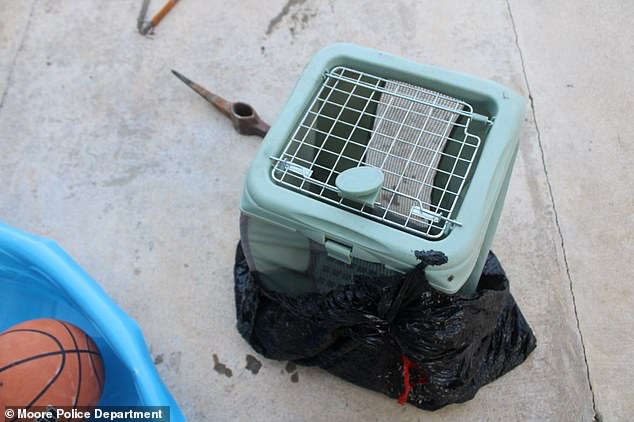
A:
(375, 157)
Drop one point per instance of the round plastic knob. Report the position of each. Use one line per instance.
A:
(360, 184)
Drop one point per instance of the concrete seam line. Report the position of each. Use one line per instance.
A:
(552, 200)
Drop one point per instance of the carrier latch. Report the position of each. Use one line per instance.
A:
(338, 251)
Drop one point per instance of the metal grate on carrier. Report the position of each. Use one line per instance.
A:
(418, 138)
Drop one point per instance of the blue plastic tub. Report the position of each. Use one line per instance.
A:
(39, 280)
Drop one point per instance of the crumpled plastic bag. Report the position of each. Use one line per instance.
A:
(395, 335)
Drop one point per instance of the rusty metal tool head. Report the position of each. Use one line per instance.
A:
(244, 118)
(140, 22)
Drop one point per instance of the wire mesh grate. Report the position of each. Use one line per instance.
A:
(417, 137)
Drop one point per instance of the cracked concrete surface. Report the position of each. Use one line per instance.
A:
(554, 206)
(139, 180)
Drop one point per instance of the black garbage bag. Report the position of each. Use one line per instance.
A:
(394, 335)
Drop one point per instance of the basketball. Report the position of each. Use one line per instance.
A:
(47, 362)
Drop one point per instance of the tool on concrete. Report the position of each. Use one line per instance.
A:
(141, 18)
(244, 118)
(145, 27)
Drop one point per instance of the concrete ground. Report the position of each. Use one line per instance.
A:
(139, 180)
